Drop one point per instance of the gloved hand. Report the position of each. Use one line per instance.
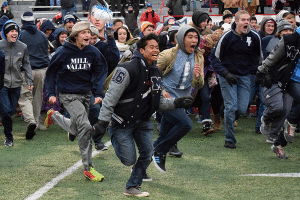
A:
(99, 129)
(109, 33)
(152, 13)
(263, 79)
(183, 102)
(231, 80)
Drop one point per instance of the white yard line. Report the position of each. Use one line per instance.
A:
(48, 186)
(275, 175)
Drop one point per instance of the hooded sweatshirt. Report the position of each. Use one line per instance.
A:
(56, 43)
(37, 43)
(48, 25)
(178, 81)
(77, 71)
(237, 54)
(16, 57)
(262, 26)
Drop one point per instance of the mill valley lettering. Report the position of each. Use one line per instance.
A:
(78, 64)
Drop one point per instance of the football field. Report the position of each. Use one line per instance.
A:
(207, 170)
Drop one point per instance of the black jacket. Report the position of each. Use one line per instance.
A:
(66, 4)
(283, 60)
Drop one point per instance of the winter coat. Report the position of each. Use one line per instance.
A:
(16, 60)
(150, 16)
(66, 4)
(176, 6)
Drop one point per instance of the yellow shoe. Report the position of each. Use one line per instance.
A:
(93, 175)
(48, 121)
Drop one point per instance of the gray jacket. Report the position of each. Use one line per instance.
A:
(16, 56)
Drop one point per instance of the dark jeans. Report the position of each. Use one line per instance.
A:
(174, 125)
(204, 93)
(8, 104)
(216, 99)
(124, 139)
(86, 4)
(294, 91)
(93, 115)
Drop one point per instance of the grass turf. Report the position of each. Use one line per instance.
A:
(207, 170)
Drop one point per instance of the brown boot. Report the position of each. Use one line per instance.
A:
(217, 122)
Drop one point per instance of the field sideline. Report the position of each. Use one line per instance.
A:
(207, 170)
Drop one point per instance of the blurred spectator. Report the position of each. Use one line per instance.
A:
(67, 6)
(150, 16)
(113, 5)
(54, 2)
(131, 16)
(117, 23)
(60, 35)
(122, 35)
(48, 27)
(253, 22)
(3, 20)
(176, 8)
(85, 5)
(188, 5)
(5, 10)
(69, 22)
(250, 5)
(146, 29)
(231, 5)
(262, 4)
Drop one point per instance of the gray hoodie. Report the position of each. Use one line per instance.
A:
(180, 36)
(16, 56)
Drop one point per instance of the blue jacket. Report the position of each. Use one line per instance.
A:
(77, 71)
(48, 25)
(238, 54)
(111, 53)
(37, 44)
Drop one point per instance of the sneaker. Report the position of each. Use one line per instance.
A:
(48, 121)
(229, 144)
(93, 175)
(8, 143)
(271, 140)
(30, 133)
(278, 150)
(159, 161)
(207, 127)
(289, 131)
(135, 191)
(264, 128)
(101, 147)
(71, 137)
(175, 152)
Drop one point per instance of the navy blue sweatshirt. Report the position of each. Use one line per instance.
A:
(77, 71)
(238, 54)
(111, 53)
(37, 44)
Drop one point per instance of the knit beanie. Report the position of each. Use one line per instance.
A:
(27, 17)
(199, 17)
(3, 20)
(145, 24)
(283, 25)
(227, 14)
(5, 3)
(78, 27)
(9, 27)
(69, 18)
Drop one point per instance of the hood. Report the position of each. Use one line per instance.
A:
(30, 27)
(180, 36)
(262, 26)
(57, 32)
(137, 54)
(279, 16)
(233, 26)
(47, 25)
(9, 21)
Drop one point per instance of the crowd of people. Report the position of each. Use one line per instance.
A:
(90, 78)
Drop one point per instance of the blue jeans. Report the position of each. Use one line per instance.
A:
(262, 105)
(205, 103)
(75, 8)
(8, 104)
(293, 90)
(52, 2)
(64, 12)
(174, 125)
(188, 5)
(123, 138)
(236, 98)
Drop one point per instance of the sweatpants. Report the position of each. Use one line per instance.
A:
(78, 106)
